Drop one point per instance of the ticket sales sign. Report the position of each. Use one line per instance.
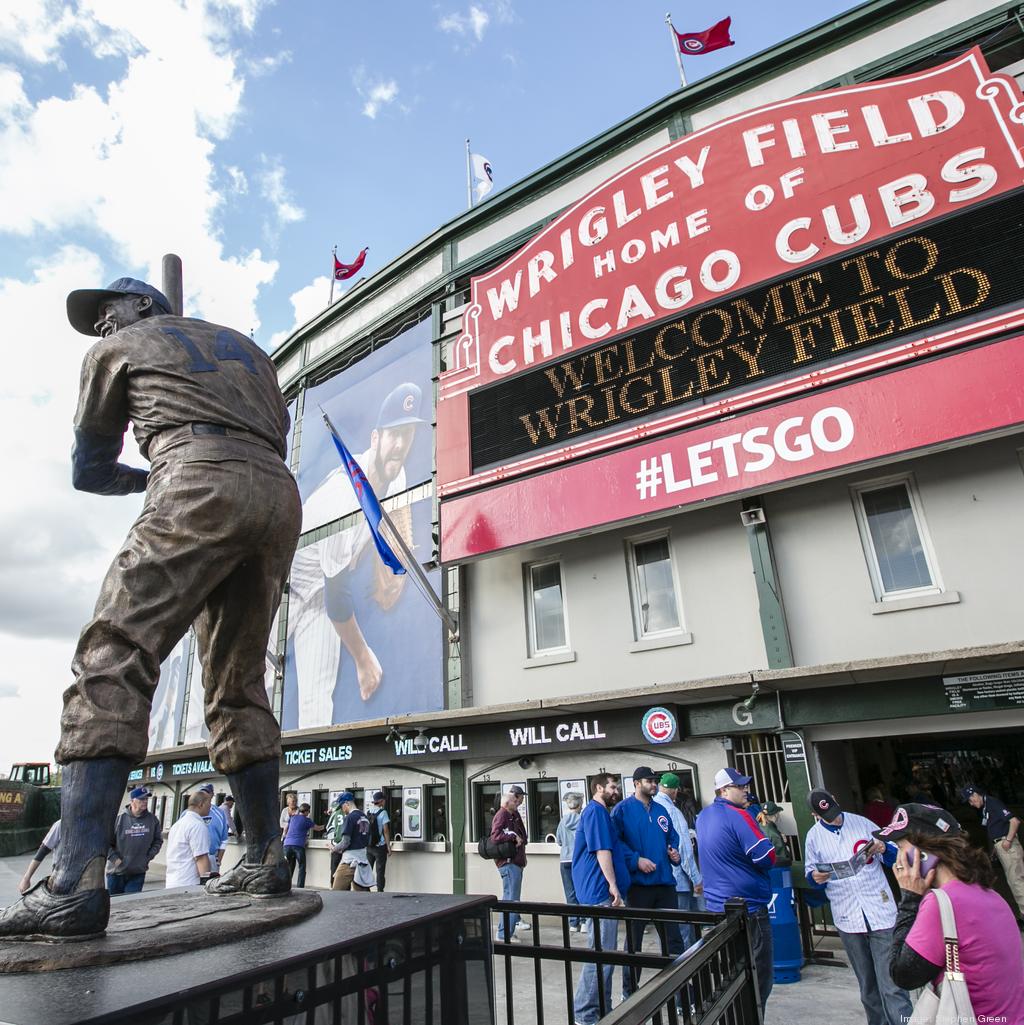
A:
(786, 243)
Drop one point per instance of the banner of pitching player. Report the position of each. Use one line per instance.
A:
(362, 642)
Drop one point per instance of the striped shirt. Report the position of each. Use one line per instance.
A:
(862, 903)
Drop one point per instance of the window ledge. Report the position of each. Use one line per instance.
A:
(918, 601)
(653, 643)
(558, 658)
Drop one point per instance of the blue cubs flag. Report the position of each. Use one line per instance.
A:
(368, 501)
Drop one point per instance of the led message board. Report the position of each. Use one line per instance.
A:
(961, 266)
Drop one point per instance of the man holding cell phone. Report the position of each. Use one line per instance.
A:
(842, 858)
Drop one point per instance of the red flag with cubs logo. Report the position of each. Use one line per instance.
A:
(344, 271)
(716, 37)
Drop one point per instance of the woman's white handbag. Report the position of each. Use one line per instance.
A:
(951, 1003)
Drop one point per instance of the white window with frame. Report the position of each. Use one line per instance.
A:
(654, 593)
(545, 608)
(900, 559)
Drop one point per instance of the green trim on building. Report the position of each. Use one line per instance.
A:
(457, 799)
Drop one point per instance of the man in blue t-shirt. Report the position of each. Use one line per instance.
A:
(652, 848)
(736, 859)
(296, 834)
(600, 878)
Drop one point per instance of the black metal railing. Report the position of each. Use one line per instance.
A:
(712, 981)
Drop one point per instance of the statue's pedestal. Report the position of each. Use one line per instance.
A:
(263, 960)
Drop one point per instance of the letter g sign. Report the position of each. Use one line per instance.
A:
(740, 715)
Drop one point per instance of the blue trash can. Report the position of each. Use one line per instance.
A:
(788, 953)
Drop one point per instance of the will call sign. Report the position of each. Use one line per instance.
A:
(647, 275)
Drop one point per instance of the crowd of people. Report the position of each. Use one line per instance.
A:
(636, 851)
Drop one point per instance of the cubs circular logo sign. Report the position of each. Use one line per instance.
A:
(692, 45)
(658, 726)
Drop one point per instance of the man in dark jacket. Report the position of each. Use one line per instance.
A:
(137, 839)
(651, 847)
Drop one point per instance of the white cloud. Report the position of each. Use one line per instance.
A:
(307, 303)
(274, 190)
(474, 22)
(379, 96)
(259, 66)
(239, 182)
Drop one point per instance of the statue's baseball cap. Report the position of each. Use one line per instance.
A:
(401, 406)
(823, 804)
(925, 819)
(84, 303)
(730, 778)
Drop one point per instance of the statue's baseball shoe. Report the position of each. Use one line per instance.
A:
(41, 915)
(273, 880)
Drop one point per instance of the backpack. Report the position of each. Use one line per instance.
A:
(375, 836)
(492, 850)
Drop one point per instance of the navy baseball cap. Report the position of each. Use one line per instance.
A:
(401, 406)
(378, 795)
(346, 796)
(206, 788)
(967, 792)
(84, 303)
(925, 819)
(728, 777)
(644, 772)
(824, 805)
(139, 793)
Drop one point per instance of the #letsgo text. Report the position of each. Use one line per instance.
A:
(794, 439)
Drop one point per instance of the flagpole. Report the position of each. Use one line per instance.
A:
(675, 48)
(469, 178)
(409, 560)
(334, 257)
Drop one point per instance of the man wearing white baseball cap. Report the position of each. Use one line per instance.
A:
(736, 859)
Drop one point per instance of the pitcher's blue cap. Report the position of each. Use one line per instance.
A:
(84, 303)
(401, 406)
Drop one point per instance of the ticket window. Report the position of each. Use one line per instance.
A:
(436, 801)
(544, 809)
(393, 804)
(486, 801)
(320, 807)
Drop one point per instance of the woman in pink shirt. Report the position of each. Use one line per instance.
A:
(934, 852)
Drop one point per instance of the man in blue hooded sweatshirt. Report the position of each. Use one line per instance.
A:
(651, 846)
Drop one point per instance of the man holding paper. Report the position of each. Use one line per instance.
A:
(842, 858)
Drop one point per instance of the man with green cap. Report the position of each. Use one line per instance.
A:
(212, 546)
(689, 885)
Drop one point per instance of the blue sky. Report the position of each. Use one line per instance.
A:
(250, 136)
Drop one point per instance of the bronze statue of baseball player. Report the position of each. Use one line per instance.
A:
(212, 546)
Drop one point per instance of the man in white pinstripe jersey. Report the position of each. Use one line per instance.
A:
(862, 906)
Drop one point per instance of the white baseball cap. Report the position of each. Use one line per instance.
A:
(730, 778)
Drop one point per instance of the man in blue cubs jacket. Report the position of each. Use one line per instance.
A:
(651, 846)
(736, 859)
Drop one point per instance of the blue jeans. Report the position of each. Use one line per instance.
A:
(884, 1002)
(764, 950)
(511, 889)
(686, 902)
(128, 883)
(587, 1002)
(569, 889)
(297, 854)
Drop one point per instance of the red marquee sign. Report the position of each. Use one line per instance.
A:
(763, 222)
